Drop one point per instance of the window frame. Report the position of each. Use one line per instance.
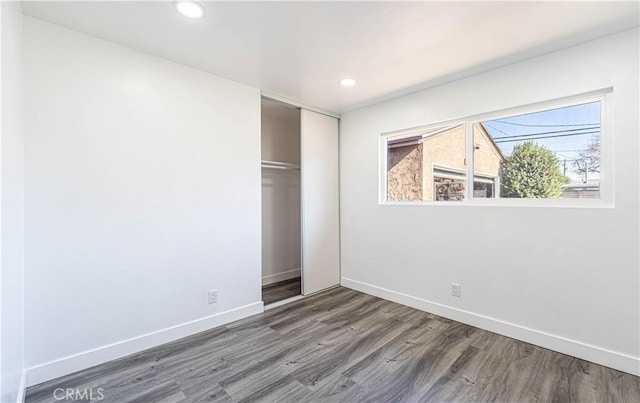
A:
(607, 189)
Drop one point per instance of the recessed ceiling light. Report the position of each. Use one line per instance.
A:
(347, 82)
(190, 8)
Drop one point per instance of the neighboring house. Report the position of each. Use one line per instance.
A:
(581, 191)
(432, 165)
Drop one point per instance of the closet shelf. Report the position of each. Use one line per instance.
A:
(279, 165)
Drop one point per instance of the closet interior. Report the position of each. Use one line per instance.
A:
(281, 202)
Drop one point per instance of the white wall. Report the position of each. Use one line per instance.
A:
(11, 202)
(281, 253)
(520, 273)
(142, 192)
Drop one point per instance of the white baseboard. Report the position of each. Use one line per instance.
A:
(86, 359)
(285, 275)
(284, 302)
(598, 355)
(22, 391)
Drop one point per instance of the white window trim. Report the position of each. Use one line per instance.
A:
(607, 188)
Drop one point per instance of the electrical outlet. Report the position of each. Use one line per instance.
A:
(213, 296)
(455, 290)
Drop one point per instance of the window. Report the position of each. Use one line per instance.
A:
(427, 166)
(554, 153)
(545, 152)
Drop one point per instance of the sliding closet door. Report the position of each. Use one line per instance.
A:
(320, 202)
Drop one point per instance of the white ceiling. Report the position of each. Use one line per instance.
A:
(301, 50)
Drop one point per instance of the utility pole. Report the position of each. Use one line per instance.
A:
(586, 171)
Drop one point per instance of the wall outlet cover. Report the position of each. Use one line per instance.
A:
(213, 296)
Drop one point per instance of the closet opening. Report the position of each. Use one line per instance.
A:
(281, 202)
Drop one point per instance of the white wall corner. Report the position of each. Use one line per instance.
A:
(281, 276)
(22, 389)
(86, 359)
(598, 355)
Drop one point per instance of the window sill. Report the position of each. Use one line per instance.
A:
(521, 203)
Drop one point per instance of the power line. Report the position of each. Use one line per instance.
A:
(495, 128)
(567, 158)
(569, 151)
(553, 132)
(543, 137)
(517, 136)
(558, 125)
(538, 133)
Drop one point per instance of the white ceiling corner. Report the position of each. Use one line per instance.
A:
(300, 50)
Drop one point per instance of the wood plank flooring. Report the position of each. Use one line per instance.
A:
(345, 346)
(281, 290)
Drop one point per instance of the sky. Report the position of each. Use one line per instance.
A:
(564, 131)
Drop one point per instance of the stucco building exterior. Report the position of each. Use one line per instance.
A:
(431, 165)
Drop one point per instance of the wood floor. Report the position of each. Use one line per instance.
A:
(281, 290)
(345, 346)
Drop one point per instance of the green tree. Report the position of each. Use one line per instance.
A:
(532, 171)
